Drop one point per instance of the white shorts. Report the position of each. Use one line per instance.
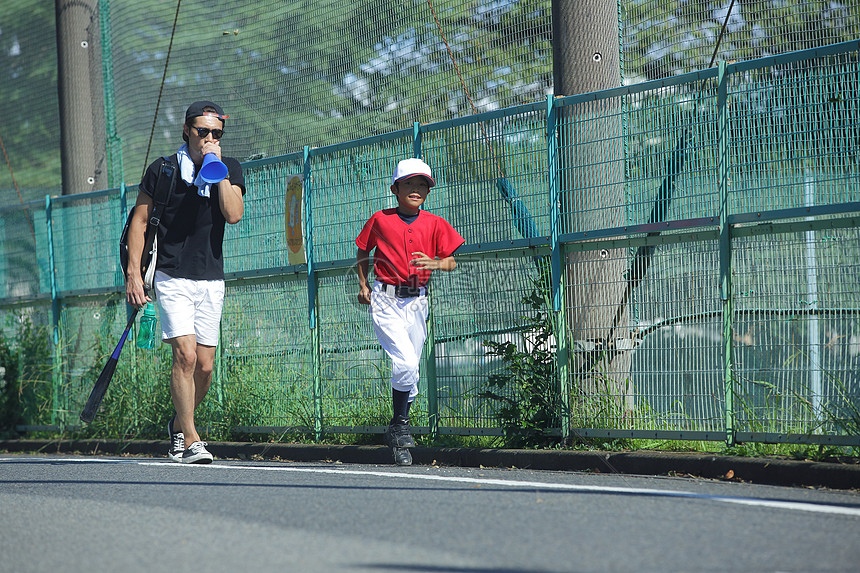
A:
(189, 307)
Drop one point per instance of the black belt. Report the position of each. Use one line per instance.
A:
(403, 291)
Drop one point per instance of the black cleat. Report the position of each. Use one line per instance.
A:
(398, 436)
(402, 456)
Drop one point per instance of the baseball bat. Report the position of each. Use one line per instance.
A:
(101, 386)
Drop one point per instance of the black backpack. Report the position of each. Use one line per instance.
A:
(164, 187)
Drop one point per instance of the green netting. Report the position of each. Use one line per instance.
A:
(676, 317)
(663, 38)
(29, 130)
(315, 73)
(267, 372)
(85, 259)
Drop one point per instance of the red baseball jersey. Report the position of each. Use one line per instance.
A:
(395, 241)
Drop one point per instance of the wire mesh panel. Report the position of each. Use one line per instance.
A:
(493, 174)
(795, 364)
(86, 259)
(24, 254)
(677, 359)
(267, 354)
(670, 140)
(354, 369)
(792, 132)
(485, 304)
(348, 187)
(273, 203)
(90, 328)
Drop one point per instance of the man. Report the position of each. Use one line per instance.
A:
(189, 272)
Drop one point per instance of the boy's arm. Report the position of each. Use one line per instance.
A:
(363, 266)
(427, 263)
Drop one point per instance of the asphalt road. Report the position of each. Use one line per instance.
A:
(88, 514)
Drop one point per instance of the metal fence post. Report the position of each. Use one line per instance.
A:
(56, 378)
(562, 352)
(430, 344)
(313, 310)
(725, 252)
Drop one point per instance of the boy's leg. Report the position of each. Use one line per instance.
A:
(401, 328)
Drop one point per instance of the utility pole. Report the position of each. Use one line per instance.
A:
(81, 96)
(586, 58)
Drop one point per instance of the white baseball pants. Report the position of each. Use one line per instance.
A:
(401, 327)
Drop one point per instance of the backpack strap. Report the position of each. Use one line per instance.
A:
(163, 191)
(164, 186)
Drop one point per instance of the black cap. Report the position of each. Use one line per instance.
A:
(197, 108)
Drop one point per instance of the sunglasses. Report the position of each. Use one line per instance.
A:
(204, 131)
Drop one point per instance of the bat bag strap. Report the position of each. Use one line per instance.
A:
(163, 191)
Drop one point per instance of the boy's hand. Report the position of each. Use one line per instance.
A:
(430, 264)
(364, 295)
(424, 262)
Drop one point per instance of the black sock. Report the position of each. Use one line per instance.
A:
(401, 403)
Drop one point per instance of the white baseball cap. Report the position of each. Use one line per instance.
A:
(407, 168)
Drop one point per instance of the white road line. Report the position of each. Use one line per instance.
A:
(751, 501)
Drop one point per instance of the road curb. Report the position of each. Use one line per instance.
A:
(771, 471)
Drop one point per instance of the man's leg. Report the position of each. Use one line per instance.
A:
(190, 380)
(203, 372)
(182, 385)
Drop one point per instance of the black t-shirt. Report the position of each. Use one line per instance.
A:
(191, 233)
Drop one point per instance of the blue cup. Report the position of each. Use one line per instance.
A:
(212, 170)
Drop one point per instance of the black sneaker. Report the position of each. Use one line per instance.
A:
(402, 456)
(398, 436)
(196, 453)
(177, 441)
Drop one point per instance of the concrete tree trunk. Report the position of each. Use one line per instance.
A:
(81, 96)
(586, 56)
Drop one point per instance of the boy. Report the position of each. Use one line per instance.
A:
(409, 243)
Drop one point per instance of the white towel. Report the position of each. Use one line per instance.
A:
(186, 171)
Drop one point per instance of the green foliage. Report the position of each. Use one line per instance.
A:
(526, 391)
(137, 404)
(26, 396)
(9, 407)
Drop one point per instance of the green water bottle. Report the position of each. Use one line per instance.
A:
(148, 322)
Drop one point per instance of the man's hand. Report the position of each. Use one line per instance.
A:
(135, 294)
(212, 147)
